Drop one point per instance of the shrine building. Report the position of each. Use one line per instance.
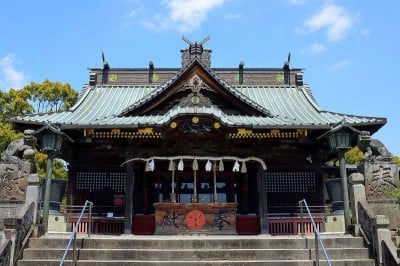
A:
(196, 149)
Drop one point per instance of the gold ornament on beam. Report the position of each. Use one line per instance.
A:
(195, 119)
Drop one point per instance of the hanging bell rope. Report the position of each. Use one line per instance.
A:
(215, 182)
(171, 167)
(200, 158)
(221, 167)
(195, 165)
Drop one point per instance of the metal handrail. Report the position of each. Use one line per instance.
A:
(317, 237)
(72, 239)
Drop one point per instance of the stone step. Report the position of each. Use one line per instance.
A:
(187, 254)
(197, 250)
(340, 253)
(358, 262)
(170, 254)
(170, 263)
(193, 243)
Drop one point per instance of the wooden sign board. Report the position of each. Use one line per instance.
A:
(195, 218)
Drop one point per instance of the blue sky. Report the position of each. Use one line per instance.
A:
(349, 49)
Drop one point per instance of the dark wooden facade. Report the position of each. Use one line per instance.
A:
(131, 124)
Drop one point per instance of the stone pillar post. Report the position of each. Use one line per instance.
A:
(11, 234)
(357, 194)
(33, 193)
(380, 231)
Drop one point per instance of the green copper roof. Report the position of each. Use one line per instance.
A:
(289, 106)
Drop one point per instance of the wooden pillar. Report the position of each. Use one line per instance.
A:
(245, 192)
(262, 185)
(129, 183)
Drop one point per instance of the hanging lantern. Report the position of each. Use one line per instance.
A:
(195, 165)
(180, 165)
(236, 167)
(208, 166)
(221, 166)
(171, 166)
(244, 168)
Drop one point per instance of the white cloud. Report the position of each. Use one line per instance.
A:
(335, 19)
(132, 13)
(185, 15)
(9, 76)
(314, 48)
(341, 64)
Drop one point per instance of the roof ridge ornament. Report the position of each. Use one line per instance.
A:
(196, 50)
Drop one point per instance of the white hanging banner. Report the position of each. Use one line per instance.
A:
(151, 165)
(180, 165)
(236, 167)
(208, 166)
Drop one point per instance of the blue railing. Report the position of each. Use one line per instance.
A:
(318, 241)
(72, 239)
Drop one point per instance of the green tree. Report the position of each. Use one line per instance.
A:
(51, 96)
(59, 167)
(396, 160)
(35, 98)
(354, 156)
(7, 134)
(14, 102)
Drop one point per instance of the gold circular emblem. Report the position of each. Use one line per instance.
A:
(217, 125)
(155, 77)
(279, 78)
(113, 77)
(195, 119)
(173, 124)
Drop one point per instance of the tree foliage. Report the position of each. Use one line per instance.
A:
(7, 134)
(14, 102)
(35, 98)
(354, 156)
(51, 96)
(59, 167)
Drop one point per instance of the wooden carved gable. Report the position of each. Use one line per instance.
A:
(195, 86)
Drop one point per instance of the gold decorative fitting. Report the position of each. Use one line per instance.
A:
(173, 124)
(217, 125)
(244, 131)
(302, 132)
(113, 77)
(195, 119)
(146, 131)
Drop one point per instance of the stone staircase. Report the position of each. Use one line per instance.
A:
(196, 250)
